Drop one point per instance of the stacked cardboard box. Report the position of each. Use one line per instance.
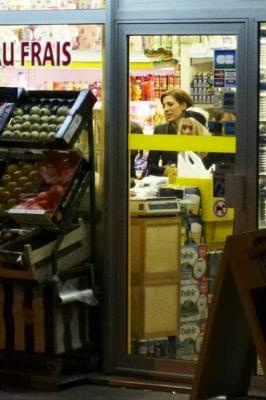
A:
(193, 300)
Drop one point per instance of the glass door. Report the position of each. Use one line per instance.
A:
(182, 123)
(183, 120)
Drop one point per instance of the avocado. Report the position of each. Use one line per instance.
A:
(7, 134)
(35, 127)
(35, 110)
(17, 127)
(52, 127)
(52, 119)
(45, 118)
(44, 126)
(17, 119)
(18, 111)
(26, 117)
(51, 136)
(45, 111)
(63, 110)
(26, 125)
(60, 119)
(43, 135)
(34, 118)
(34, 135)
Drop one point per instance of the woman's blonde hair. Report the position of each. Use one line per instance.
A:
(197, 127)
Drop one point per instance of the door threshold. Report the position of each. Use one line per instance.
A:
(138, 383)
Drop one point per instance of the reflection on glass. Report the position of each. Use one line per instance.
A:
(67, 57)
(46, 71)
(21, 5)
(182, 92)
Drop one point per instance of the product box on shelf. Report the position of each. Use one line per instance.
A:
(193, 263)
(193, 301)
(44, 118)
(189, 340)
(39, 187)
(29, 256)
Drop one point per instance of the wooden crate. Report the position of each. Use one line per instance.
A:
(20, 260)
(32, 320)
(155, 276)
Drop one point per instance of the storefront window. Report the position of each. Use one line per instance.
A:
(57, 58)
(51, 4)
(181, 146)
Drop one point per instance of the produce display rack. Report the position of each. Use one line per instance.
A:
(35, 353)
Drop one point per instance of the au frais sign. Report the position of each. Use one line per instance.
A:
(36, 53)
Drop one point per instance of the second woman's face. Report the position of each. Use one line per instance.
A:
(172, 109)
(186, 127)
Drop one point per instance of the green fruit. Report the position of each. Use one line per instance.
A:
(9, 127)
(45, 111)
(11, 168)
(35, 127)
(17, 127)
(26, 125)
(18, 111)
(25, 135)
(43, 135)
(34, 135)
(34, 118)
(60, 119)
(52, 128)
(51, 136)
(44, 126)
(63, 110)
(52, 119)
(26, 117)
(35, 110)
(17, 133)
(44, 118)
(17, 120)
(7, 134)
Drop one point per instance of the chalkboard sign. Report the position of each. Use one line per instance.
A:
(236, 327)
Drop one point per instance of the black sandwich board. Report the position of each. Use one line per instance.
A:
(236, 327)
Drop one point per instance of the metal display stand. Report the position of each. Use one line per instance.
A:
(41, 363)
(236, 327)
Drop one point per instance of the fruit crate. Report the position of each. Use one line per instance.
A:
(43, 118)
(39, 187)
(29, 256)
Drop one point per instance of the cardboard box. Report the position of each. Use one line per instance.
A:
(189, 340)
(44, 118)
(53, 180)
(193, 301)
(193, 263)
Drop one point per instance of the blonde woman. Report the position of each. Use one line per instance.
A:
(191, 126)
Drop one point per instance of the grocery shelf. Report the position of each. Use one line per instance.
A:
(214, 144)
